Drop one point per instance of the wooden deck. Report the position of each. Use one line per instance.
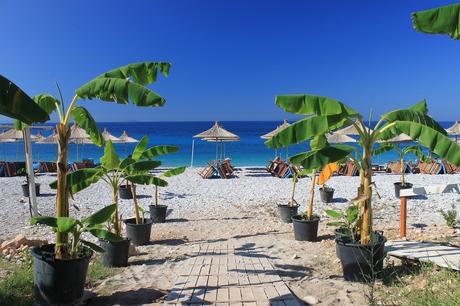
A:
(225, 274)
(438, 254)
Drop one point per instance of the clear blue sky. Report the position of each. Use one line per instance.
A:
(230, 58)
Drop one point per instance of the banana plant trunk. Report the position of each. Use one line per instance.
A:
(403, 180)
(116, 219)
(156, 195)
(366, 204)
(62, 195)
(312, 196)
(136, 205)
(294, 183)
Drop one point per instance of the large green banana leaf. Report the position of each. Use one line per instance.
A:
(142, 73)
(313, 105)
(80, 179)
(142, 166)
(110, 160)
(84, 120)
(120, 91)
(414, 116)
(317, 159)
(100, 216)
(442, 20)
(305, 129)
(383, 148)
(173, 172)
(47, 102)
(140, 148)
(145, 179)
(435, 141)
(159, 150)
(16, 104)
(421, 106)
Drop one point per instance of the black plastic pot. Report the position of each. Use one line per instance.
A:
(56, 281)
(125, 192)
(361, 263)
(305, 230)
(286, 212)
(116, 253)
(326, 195)
(25, 189)
(158, 213)
(399, 186)
(138, 233)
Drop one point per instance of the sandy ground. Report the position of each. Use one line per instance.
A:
(242, 209)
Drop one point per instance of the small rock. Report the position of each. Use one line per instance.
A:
(310, 300)
(295, 256)
(133, 251)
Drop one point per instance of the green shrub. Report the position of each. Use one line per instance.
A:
(450, 216)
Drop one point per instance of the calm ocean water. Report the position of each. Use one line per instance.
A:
(250, 151)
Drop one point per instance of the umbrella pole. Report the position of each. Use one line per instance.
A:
(287, 152)
(217, 151)
(193, 149)
(30, 171)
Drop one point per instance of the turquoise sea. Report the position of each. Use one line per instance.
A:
(250, 151)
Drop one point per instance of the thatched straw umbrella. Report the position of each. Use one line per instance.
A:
(215, 134)
(107, 136)
(278, 129)
(454, 130)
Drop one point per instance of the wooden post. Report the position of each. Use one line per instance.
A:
(402, 226)
(30, 170)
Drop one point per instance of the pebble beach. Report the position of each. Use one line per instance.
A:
(243, 210)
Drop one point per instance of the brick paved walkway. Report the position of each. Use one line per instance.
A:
(225, 274)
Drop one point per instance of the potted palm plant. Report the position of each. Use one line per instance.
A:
(25, 185)
(121, 85)
(402, 152)
(326, 193)
(287, 211)
(63, 282)
(327, 115)
(158, 211)
(134, 169)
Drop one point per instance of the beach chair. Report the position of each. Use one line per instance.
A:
(273, 164)
(227, 166)
(395, 168)
(210, 170)
(348, 169)
(449, 168)
(433, 167)
(281, 170)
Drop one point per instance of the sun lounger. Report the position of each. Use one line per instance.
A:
(433, 167)
(273, 164)
(449, 168)
(47, 167)
(349, 169)
(395, 167)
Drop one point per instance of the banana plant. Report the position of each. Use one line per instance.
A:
(441, 20)
(134, 169)
(168, 173)
(402, 152)
(324, 115)
(122, 85)
(92, 224)
(16, 104)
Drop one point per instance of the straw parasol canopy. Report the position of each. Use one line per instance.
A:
(17, 135)
(217, 132)
(400, 138)
(351, 130)
(339, 138)
(125, 138)
(107, 136)
(454, 129)
(278, 129)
